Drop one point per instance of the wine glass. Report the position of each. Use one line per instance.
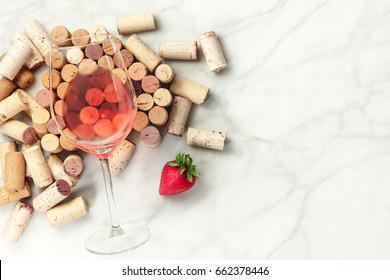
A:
(97, 113)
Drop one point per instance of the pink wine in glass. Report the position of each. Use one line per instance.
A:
(97, 108)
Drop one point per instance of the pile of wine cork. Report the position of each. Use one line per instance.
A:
(34, 152)
(53, 178)
(37, 151)
(163, 98)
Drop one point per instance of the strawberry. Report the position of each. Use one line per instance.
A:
(178, 176)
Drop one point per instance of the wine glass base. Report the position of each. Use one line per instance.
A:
(117, 240)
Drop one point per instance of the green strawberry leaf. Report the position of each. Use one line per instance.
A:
(184, 162)
(189, 177)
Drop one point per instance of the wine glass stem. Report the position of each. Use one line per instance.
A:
(110, 193)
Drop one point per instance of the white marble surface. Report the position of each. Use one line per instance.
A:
(305, 103)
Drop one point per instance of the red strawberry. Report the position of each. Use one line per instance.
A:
(178, 175)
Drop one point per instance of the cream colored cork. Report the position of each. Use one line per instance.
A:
(120, 157)
(38, 167)
(40, 117)
(162, 97)
(178, 115)
(67, 212)
(36, 59)
(206, 138)
(14, 59)
(37, 34)
(12, 105)
(180, 50)
(135, 23)
(56, 167)
(212, 51)
(164, 73)
(18, 130)
(52, 195)
(143, 52)
(18, 221)
(7, 197)
(195, 92)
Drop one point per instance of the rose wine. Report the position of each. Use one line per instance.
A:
(97, 108)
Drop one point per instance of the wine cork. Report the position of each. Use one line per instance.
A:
(143, 53)
(73, 165)
(67, 212)
(15, 171)
(68, 72)
(120, 74)
(5, 147)
(158, 115)
(24, 78)
(162, 97)
(14, 59)
(18, 221)
(38, 167)
(65, 142)
(87, 66)
(37, 34)
(98, 33)
(55, 81)
(74, 55)
(62, 89)
(61, 36)
(25, 147)
(141, 121)
(206, 139)
(108, 45)
(120, 157)
(36, 59)
(145, 102)
(44, 97)
(212, 51)
(178, 115)
(124, 60)
(137, 71)
(39, 118)
(12, 105)
(6, 88)
(150, 84)
(164, 73)
(80, 37)
(106, 61)
(193, 91)
(51, 143)
(32, 105)
(181, 50)
(57, 60)
(135, 23)
(53, 126)
(56, 167)
(19, 131)
(58, 108)
(150, 135)
(94, 52)
(52, 195)
(7, 197)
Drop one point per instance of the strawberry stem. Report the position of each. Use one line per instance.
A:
(184, 162)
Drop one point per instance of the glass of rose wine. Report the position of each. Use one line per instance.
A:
(96, 113)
